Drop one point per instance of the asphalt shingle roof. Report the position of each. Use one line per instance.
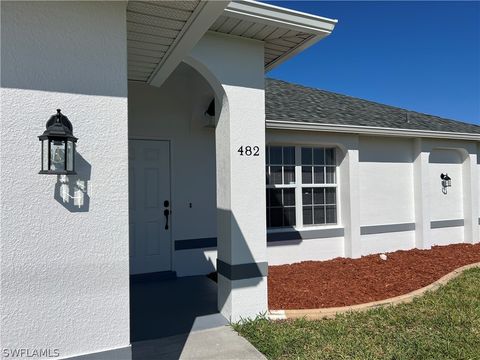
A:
(291, 102)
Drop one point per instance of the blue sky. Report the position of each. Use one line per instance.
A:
(422, 56)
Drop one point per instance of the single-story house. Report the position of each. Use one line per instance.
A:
(173, 153)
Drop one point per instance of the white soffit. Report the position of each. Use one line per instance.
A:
(285, 32)
(160, 34)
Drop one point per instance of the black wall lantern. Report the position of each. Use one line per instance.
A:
(210, 114)
(446, 182)
(58, 146)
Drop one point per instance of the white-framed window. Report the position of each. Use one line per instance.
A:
(301, 186)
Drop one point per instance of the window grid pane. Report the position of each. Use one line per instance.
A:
(306, 174)
(329, 156)
(307, 215)
(318, 167)
(319, 215)
(319, 175)
(330, 175)
(289, 175)
(307, 156)
(280, 202)
(289, 155)
(319, 156)
(275, 155)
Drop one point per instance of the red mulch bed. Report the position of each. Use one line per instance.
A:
(342, 282)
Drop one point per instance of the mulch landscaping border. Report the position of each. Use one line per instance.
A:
(315, 314)
(345, 282)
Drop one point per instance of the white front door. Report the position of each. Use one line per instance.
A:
(149, 195)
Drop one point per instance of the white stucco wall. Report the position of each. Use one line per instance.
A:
(64, 268)
(386, 181)
(447, 206)
(288, 252)
(387, 242)
(447, 236)
(461, 202)
(386, 192)
(386, 202)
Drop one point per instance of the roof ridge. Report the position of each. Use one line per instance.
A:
(407, 111)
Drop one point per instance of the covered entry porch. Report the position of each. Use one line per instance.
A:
(189, 211)
(197, 200)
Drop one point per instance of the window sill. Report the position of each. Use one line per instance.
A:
(304, 228)
(306, 233)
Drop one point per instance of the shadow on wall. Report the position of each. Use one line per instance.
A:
(195, 260)
(246, 271)
(73, 191)
(393, 151)
(446, 156)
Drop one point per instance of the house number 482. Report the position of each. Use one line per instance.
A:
(249, 150)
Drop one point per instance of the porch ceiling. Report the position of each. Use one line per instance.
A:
(152, 28)
(161, 33)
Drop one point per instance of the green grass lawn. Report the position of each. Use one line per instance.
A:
(444, 324)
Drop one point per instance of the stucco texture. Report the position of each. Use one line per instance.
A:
(64, 258)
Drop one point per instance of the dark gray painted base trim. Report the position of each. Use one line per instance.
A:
(211, 243)
(162, 275)
(446, 223)
(305, 234)
(117, 354)
(202, 243)
(383, 229)
(242, 271)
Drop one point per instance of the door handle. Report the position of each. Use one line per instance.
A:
(166, 212)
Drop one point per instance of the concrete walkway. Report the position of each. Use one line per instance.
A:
(178, 319)
(218, 343)
(163, 308)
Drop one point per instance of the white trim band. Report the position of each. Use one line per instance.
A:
(368, 130)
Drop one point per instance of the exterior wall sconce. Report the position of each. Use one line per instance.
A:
(58, 146)
(210, 114)
(446, 182)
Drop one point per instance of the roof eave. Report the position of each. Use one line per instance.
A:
(294, 51)
(199, 23)
(317, 26)
(275, 15)
(369, 130)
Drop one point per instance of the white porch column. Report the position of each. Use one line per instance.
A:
(237, 65)
(470, 198)
(350, 195)
(420, 178)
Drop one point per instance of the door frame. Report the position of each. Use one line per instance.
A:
(171, 221)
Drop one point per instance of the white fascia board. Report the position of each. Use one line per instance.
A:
(317, 26)
(294, 51)
(196, 26)
(369, 130)
(277, 16)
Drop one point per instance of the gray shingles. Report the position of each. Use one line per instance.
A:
(291, 102)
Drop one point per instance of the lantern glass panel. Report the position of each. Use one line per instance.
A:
(70, 147)
(57, 155)
(44, 154)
